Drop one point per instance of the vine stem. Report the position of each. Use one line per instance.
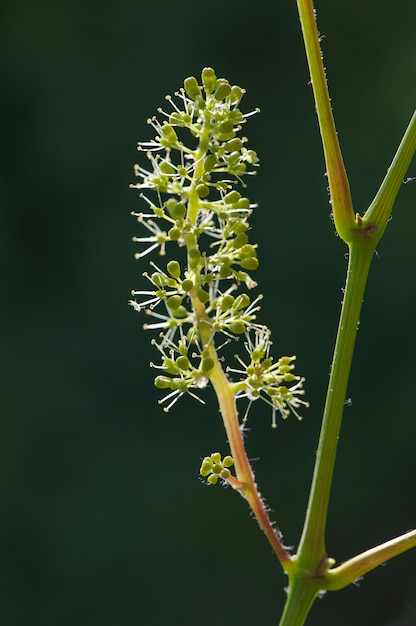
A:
(312, 543)
(244, 482)
(311, 567)
(343, 575)
(311, 549)
(337, 177)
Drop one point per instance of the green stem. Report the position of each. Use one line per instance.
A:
(343, 575)
(379, 210)
(301, 597)
(337, 177)
(312, 544)
(311, 568)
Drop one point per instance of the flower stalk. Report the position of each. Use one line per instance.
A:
(205, 289)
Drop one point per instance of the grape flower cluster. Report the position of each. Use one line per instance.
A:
(197, 214)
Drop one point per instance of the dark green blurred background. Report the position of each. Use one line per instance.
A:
(103, 519)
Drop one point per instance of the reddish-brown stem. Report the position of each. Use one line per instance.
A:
(244, 473)
(244, 481)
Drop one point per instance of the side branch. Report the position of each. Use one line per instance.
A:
(343, 575)
(337, 177)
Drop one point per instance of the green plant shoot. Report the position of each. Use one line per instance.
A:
(197, 216)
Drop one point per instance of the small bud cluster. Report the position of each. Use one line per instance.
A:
(262, 378)
(213, 467)
(197, 162)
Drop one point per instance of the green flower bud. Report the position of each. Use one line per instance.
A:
(234, 145)
(158, 279)
(241, 302)
(169, 136)
(240, 227)
(240, 241)
(217, 468)
(239, 169)
(237, 327)
(225, 474)
(174, 302)
(166, 168)
(209, 80)
(207, 364)
(177, 118)
(202, 190)
(206, 466)
(180, 312)
(174, 233)
(179, 211)
(216, 457)
(285, 360)
(236, 93)
(233, 159)
(250, 263)
(226, 127)
(213, 479)
(243, 203)
(289, 378)
(223, 136)
(226, 302)
(210, 162)
(162, 382)
(248, 251)
(222, 90)
(228, 461)
(252, 157)
(170, 205)
(235, 116)
(202, 295)
(182, 348)
(231, 197)
(174, 269)
(183, 363)
(187, 285)
(257, 354)
(225, 271)
(191, 87)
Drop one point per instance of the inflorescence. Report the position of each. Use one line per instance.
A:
(199, 300)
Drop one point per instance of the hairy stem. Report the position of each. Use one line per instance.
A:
(337, 177)
(312, 544)
(246, 484)
(343, 575)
